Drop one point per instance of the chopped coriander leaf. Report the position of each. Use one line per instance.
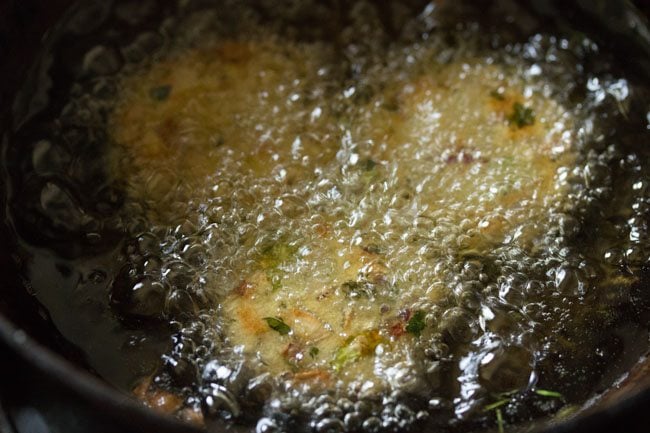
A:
(160, 93)
(277, 253)
(346, 354)
(499, 420)
(358, 289)
(547, 393)
(416, 324)
(277, 324)
(495, 405)
(313, 352)
(507, 394)
(521, 116)
(356, 347)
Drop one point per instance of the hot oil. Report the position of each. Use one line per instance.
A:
(344, 184)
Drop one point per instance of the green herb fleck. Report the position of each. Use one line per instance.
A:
(218, 140)
(495, 405)
(499, 421)
(416, 324)
(496, 94)
(313, 352)
(277, 324)
(358, 289)
(272, 257)
(274, 277)
(356, 347)
(160, 93)
(277, 253)
(368, 164)
(547, 393)
(521, 116)
(507, 394)
(346, 354)
(372, 249)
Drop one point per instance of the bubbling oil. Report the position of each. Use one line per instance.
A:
(365, 231)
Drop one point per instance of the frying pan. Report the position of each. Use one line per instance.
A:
(45, 385)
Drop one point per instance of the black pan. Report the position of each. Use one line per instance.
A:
(45, 385)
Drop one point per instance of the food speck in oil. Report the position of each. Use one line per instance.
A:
(348, 230)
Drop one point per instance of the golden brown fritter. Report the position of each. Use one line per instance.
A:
(479, 152)
(231, 109)
(477, 141)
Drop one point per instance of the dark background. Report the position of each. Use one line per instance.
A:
(46, 401)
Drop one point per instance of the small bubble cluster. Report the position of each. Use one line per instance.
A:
(496, 189)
